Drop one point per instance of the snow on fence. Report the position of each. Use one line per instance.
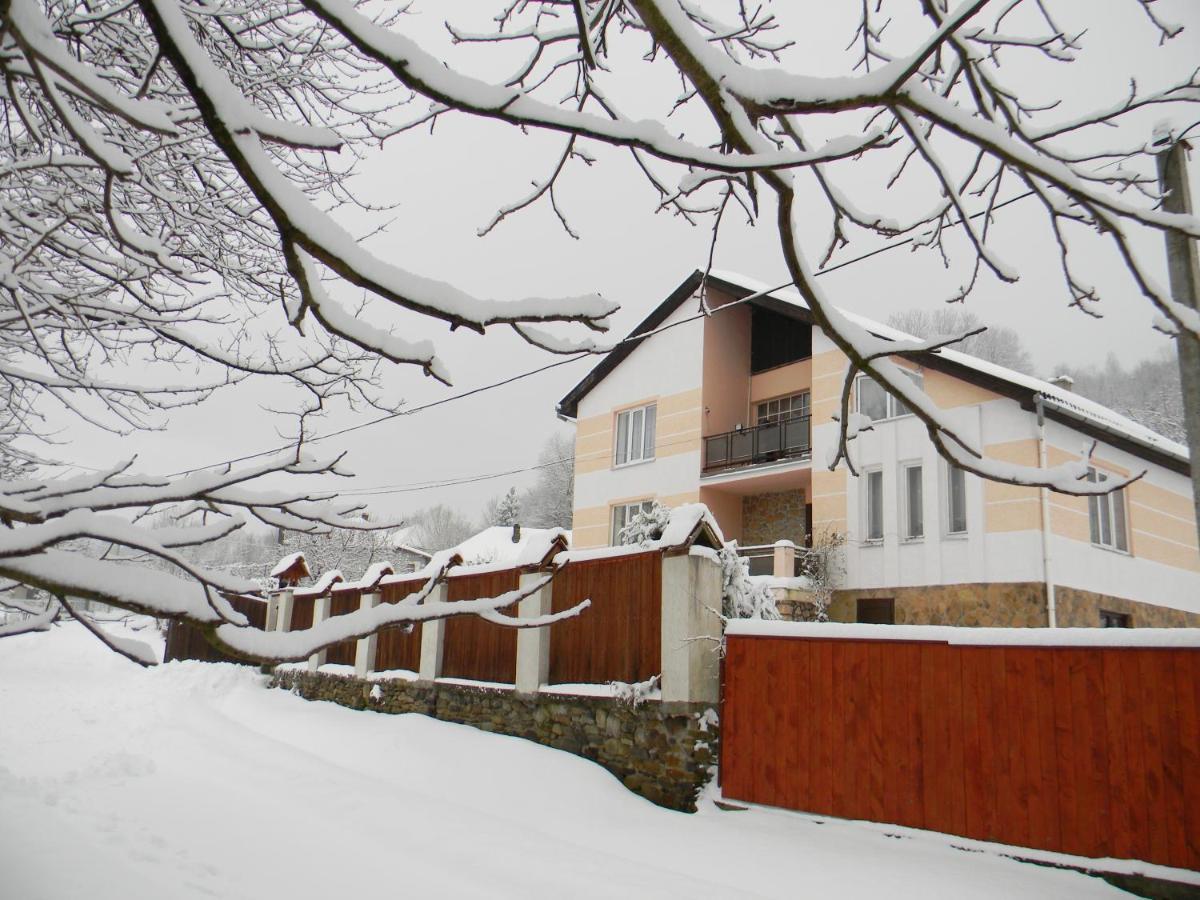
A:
(1076, 741)
(618, 638)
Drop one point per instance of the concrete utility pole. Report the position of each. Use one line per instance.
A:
(1184, 270)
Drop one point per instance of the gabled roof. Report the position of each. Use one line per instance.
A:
(1061, 405)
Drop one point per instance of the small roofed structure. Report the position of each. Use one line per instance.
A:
(290, 570)
(513, 546)
(370, 579)
(322, 585)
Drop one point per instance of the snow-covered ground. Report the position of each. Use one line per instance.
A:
(192, 781)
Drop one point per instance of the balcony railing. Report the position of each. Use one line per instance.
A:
(761, 560)
(785, 439)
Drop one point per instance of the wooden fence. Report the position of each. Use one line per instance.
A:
(617, 638)
(186, 641)
(1093, 751)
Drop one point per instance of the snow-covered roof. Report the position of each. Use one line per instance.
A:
(688, 522)
(495, 546)
(405, 539)
(1059, 400)
(286, 563)
(1069, 402)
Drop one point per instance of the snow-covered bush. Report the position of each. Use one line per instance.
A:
(741, 596)
(824, 566)
(647, 526)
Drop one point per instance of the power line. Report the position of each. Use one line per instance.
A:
(582, 354)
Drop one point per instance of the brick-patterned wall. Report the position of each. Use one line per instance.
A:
(767, 518)
(662, 753)
(1006, 605)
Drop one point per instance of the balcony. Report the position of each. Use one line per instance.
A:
(772, 442)
(762, 559)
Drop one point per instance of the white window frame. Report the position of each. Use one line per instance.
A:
(868, 475)
(906, 501)
(894, 408)
(641, 449)
(622, 513)
(769, 417)
(948, 506)
(1107, 510)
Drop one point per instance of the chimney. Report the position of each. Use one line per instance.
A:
(516, 539)
(1066, 382)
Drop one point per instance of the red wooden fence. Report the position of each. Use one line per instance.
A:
(399, 648)
(340, 603)
(188, 642)
(474, 648)
(1093, 751)
(617, 638)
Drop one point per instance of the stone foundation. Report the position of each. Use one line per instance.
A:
(1006, 605)
(767, 518)
(663, 752)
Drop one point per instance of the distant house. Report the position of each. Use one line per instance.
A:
(735, 410)
(512, 545)
(407, 556)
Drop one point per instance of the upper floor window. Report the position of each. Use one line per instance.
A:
(876, 403)
(624, 513)
(1107, 516)
(782, 408)
(635, 435)
(776, 339)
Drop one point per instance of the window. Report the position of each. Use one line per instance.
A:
(635, 435)
(776, 340)
(876, 403)
(874, 611)
(1115, 619)
(1107, 516)
(874, 487)
(956, 500)
(621, 516)
(914, 512)
(782, 408)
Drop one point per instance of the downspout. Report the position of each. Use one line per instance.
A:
(1044, 498)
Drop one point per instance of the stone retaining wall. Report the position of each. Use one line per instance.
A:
(661, 751)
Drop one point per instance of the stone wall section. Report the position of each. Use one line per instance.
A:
(767, 518)
(664, 752)
(1002, 605)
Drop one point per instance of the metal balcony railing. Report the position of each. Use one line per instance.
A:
(785, 439)
(761, 559)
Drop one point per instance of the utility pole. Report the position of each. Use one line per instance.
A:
(1184, 271)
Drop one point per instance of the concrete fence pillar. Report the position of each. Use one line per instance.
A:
(320, 614)
(272, 611)
(364, 650)
(283, 617)
(691, 629)
(785, 560)
(433, 638)
(533, 644)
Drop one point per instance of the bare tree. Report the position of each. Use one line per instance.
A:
(169, 171)
(549, 503)
(1002, 346)
(439, 527)
(1148, 392)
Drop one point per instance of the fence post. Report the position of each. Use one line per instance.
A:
(433, 638)
(320, 614)
(691, 629)
(533, 644)
(283, 618)
(785, 559)
(272, 611)
(364, 650)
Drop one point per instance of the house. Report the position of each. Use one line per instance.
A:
(408, 556)
(513, 545)
(736, 409)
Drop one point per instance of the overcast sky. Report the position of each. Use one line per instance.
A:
(447, 185)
